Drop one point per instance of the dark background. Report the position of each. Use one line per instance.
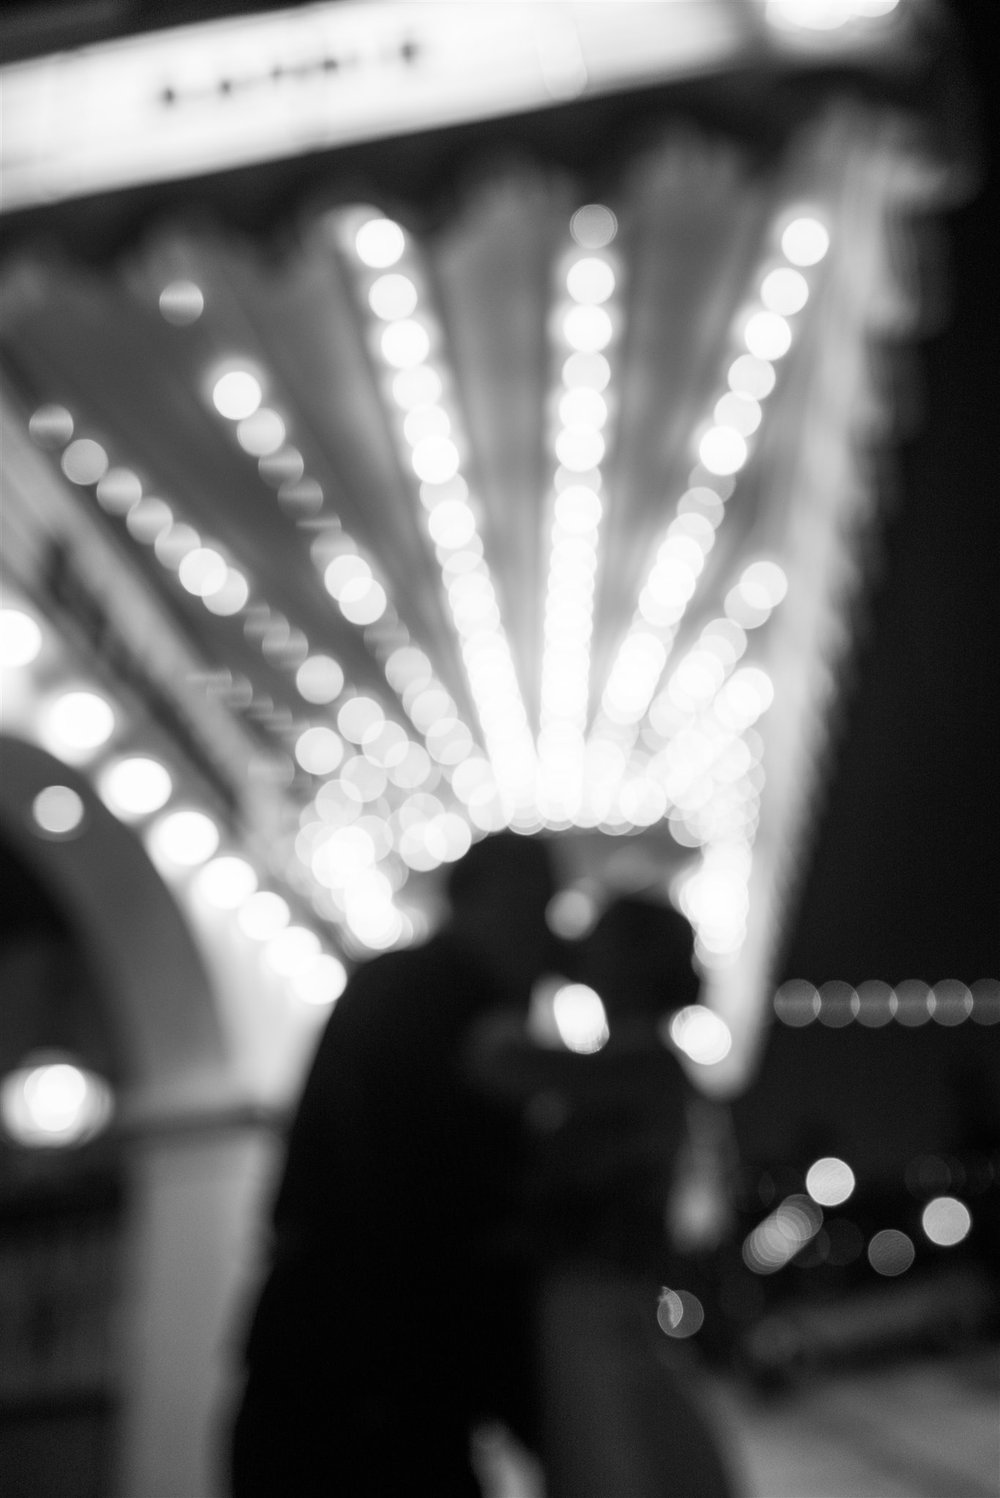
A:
(902, 879)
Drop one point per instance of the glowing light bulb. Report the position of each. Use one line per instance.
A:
(185, 838)
(379, 243)
(135, 787)
(52, 1102)
(20, 638)
(805, 241)
(237, 394)
(75, 725)
(226, 882)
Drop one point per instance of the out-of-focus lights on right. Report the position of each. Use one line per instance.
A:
(805, 241)
(321, 982)
(891, 1252)
(701, 1034)
(20, 639)
(911, 1003)
(825, 15)
(830, 1181)
(76, 724)
(184, 838)
(379, 243)
(580, 1019)
(237, 394)
(135, 787)
(226, 882)
(263, 914)
(946, 1221)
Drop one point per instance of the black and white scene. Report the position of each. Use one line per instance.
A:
(500, 917)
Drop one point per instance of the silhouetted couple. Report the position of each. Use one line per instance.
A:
(419, 1235)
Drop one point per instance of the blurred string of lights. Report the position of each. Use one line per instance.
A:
(85, 728)
(348, 831)
(586, 318)
(700, 760)
(799, 1229)
(874, 1003)
(406, 344)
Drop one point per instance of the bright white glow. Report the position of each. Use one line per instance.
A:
(230, 597)
(319, 679)
(202, 571)
(181, 303)
(784, 290)
(435, 459)
(358, 717)
(322, 982)
(763, 584)
(262, 433)
(343, 571)
(578, 509)
(830, 1181)
(84, 461)
(292, 950)
(363, 601)
(580, 1018)
(452, 524)
(426, 421)
(419, 386)
(75, 725)
(392, 297)
(237, 394)
(590, 280)
(583, 409)
(701, 1034)
(226, 882)
(185, 838)
(405, 344)
(379, 243)
(767, 335)
(20, 638)
(263, 914)
(825, 15)
(135, 787)
(587, 329)
(319, 750)
(586, 372)
(57, 811)
(946, 1221)
(805, 241)
(723, 450)
(51, 1102)
(740, 412)
(751, 376)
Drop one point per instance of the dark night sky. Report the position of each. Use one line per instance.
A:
(903, 880)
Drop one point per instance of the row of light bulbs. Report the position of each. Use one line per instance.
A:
(407, 344)
(78, 726)
(874, 1003)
